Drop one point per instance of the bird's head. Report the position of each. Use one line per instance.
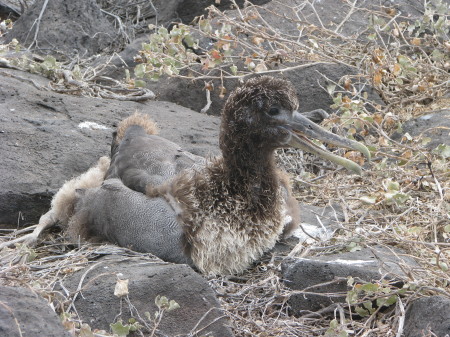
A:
(261, 116)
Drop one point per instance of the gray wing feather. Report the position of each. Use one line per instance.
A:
(131, 219)
(143, 159)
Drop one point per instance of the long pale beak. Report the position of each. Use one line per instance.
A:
(302, 130)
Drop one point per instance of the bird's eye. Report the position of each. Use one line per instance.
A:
(273, 111)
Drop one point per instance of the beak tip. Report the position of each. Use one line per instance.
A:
(356, 169)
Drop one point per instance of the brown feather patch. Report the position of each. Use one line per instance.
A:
(137, 118)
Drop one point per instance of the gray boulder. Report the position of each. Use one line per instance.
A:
(86, 30)
(199, 311)
(308, 82)
(428, 314)
(47, 138)
(23, 313)
(316, 275)
(435, 125)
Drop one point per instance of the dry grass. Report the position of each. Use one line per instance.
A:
(415, 220)
(257, 301)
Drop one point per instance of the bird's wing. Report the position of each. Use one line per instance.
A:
(142, 160)
(128, 218)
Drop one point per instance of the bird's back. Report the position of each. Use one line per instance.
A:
(141, 160)
(115, 213)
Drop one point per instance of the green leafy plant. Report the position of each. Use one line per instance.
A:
(122, 330)
(164, 305)
(367, 298)
(336, 330)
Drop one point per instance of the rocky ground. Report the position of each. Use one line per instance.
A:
(372, 268)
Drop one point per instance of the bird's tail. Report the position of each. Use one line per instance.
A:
(64, 200)
(137, 118)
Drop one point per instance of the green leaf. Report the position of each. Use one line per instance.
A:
(334, 324)
(361, 311)
(155, 77)
(447, 229)
(393, 186)
(401, 198)
(437, 55)
(139, 83)
(415, 230)
(234, 70)
(368, 306)
(343, 333)
(353, 247)
(162, 302)
(442, 150)
(163, 32)
(205, 26)
(381, 301)
(403, 60)
(426, 140)
(330, 89)
(352, 297)
(50, 61)
(391, 300)
(443, 266)
(189, 41)
(370, 287)
(139, 70)
(173, 305)
(119, 329)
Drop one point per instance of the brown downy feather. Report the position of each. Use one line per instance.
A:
(137, 118)
(63, 202)
(226, 231)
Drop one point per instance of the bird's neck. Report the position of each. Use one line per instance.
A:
(250, 174)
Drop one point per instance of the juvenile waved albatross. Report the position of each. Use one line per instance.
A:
(218, 215)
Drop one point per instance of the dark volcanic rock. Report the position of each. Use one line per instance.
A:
(189, 9)
(428, 314)
(45, 141)
(67, 28)
(33, 315)
(368, 264)
(98, 306)
(435, 125)
(342, 16)
(308, 81)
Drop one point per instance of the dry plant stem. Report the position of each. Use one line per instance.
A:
(195, 330)
(4, 63)
(37, 22)
(401, 321)
(121, 26)
(156, 11)
(208, 101)
(349, 13)
(274, 71)
(143, 95)
(46, 221)
(80, 284)
(19, 330)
